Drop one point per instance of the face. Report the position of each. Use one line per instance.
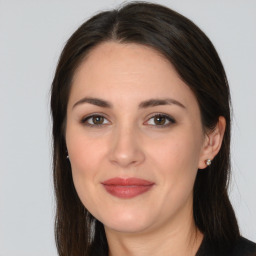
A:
(134, 138)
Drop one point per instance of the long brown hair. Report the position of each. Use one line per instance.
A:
(195, 59)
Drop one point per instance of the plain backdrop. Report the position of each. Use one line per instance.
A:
(32, 35)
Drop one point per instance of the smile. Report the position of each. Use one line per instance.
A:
(127, 188)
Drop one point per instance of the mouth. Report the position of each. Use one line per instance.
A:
(127, 188)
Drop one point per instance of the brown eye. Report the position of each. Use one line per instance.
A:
(159, 120)
(97, 119)
(94, 120)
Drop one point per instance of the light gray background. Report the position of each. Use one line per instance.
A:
(32, 34)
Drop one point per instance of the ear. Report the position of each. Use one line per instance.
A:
(212, 143)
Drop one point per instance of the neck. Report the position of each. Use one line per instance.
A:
(182, 239)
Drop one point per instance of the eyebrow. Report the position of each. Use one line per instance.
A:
(144, 104)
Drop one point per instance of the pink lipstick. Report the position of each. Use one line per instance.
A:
(127, 188)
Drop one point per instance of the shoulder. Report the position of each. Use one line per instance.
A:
(244, 247)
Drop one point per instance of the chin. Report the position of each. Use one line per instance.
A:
(126, 222)
(126, 227)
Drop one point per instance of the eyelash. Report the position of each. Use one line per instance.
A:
(168, 118)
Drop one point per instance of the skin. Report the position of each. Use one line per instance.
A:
(131, 143)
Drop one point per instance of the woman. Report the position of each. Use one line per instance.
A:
(141, 128)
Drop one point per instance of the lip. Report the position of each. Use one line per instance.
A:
(127, 188)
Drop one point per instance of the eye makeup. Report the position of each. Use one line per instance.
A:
(157, 120)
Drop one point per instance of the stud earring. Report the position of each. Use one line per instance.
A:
(208, 162)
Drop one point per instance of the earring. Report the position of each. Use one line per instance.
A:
(67, 156)
(208, 162)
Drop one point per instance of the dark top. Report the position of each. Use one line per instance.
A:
(243, 247)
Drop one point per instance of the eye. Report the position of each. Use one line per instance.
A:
(94, 120)
(161, 120)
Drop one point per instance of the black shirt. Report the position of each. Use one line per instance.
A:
(243, 247)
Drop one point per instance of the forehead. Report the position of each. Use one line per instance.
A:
(129, 71)
(123, 59)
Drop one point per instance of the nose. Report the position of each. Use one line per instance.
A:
(126, 149)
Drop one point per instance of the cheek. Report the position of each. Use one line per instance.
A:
(176, 159)
(84, 151)
(86, 161)
(85, 155)
(180, 151)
